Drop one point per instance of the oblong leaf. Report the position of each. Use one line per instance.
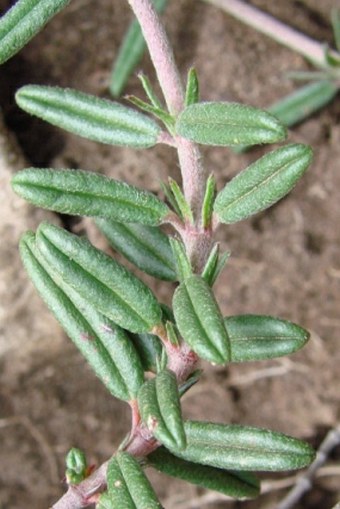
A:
(303, 102)
(128, 487)
(23, 21)
(130, 53)
(85, 193)
(89, 116)
(243, 448)
(228, 124)
(146, 247)
(199, 320)
(160, 409)
(263, 183)
(257, 337)
(107, 285)
(240, 485)
(111, 355)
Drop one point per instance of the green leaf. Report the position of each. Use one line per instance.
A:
(303, 102)
(182, 262)
(23, 21)
(160, 409)
(104, 283)
(148, 89)
(146, 247)
(228, 124)
(214, 265)
(240, 485)
(199, 320)
(192, 89)
(256, 337)
(76, 466)
(104, 345)
(335, 19)
(208, 201)
(128, 487)
(243, 448)
(149, 348)
(192, 380)
(130, 53)
(181, 202)
(84, 193)
(89, 116)
(159, 113)
(263, 183)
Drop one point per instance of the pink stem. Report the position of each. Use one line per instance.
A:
(268, 25)
(161, 54)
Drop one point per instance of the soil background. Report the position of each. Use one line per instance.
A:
(284, 262)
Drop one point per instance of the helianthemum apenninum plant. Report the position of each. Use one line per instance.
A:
(112, 316)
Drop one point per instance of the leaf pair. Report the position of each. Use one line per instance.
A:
(128, 487)
(233, 339)
(160, 409)
(105, 346)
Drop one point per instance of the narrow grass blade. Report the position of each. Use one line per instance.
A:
(243, 448)
(23, 21)
(130, 53)
(199, 320)
(89, 116)
(228, 124)
(263, 183)
(239, 485)
(257, 337)
(160, 408)
(104, 345)
(107, 285)
(146, 247)
(128, 487)
(84, 193)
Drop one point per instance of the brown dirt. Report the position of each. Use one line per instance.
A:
(284, 262)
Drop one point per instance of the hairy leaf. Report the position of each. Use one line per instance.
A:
(128, 487)
(84, 193)
(240, 485)
(23, 21)
(192, 89)
(243, 448)
(104, 345)
(199, 320)
(149, 348)
(263, 183)
(228, 124)
(208, 202)
(182, 262)
(303, 102)
(145, 246)
(256, 337)
(130, 53)
(160, 409)
(104, 283)
(89, 116)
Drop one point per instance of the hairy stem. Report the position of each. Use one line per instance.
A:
(281, 33)
(161, 54)
(193, 173)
